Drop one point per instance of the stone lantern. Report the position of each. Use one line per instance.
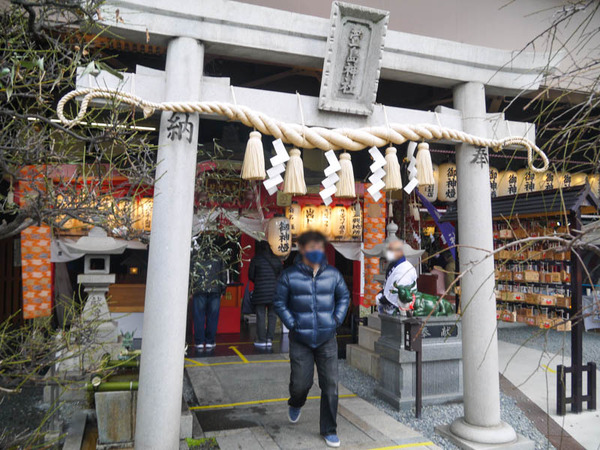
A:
(96, 278)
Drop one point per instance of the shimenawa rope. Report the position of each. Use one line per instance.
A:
(303, 136)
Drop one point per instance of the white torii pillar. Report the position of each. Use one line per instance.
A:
(481, 423)
(165, 309)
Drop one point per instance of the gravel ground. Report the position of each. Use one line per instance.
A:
(364, 387)
(20, 413)
(552, 341)
(23, 412)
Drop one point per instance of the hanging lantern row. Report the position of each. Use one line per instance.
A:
(337, 222)
(507, 182)
(139, 210)
(387, 175)
(524, 181)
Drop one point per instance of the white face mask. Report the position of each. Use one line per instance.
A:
(390, 256)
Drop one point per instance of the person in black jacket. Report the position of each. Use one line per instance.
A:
(312, 300)
(209, 282)
(264, 271)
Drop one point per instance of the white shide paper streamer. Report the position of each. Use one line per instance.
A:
(278, 167)
(412, 168)
(376, 178)
(331, 177)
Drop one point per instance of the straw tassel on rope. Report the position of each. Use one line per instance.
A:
(293, 182)
(424, 165)
(345, 187)
(393, 177)
(253, 167)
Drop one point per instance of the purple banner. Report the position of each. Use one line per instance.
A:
(446, 228)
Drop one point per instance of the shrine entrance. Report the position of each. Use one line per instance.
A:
(343, 116)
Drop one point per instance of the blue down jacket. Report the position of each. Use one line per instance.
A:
(311, 306)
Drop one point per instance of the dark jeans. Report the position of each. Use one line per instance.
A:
(206, 317)
(265, 312)
(302, 361)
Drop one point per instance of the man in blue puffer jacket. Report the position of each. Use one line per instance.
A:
(312, 301)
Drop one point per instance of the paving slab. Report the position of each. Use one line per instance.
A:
(379, 420)
(206, 385)
(245, 406)
(305, 433)
(238, 439)
(533, 372)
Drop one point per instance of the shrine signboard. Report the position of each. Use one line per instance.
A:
(353, 59)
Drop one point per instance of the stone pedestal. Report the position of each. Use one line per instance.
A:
(362, 356)
(96, 310)
(116, 413)
(442, 362)
(103, 335)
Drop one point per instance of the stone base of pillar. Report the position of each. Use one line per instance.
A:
(504, 437)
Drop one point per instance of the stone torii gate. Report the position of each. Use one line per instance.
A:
(240, 30)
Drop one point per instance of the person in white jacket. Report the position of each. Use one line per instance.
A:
(400, 272)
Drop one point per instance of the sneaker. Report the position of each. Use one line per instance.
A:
(210, 346)
(294, 414)
(260, 344)
(199, 346)
(269, 342)
(332, 440)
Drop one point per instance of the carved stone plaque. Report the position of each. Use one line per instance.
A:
(353, 58)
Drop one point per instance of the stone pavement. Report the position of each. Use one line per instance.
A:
(242, 401)
(533, 372)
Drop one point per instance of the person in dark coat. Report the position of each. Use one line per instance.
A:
(208, 286)
(312, 300)
(264, 271)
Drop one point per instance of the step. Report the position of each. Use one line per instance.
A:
(373, 321)
(367, 337)
(365, 360)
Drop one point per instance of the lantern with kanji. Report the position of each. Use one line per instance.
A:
(494, 181)
(124, 212)
(324, 213)
(339, 222)
(294, 215)
(508, 183)
(527, 181)
(547, 181)
(578, 179)
(448, 183)
(565, 180)
(66, 202)
(310, 218)
(142, 214)
(355, 222)
(430, 191)
(279, 236)
(594, 181)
